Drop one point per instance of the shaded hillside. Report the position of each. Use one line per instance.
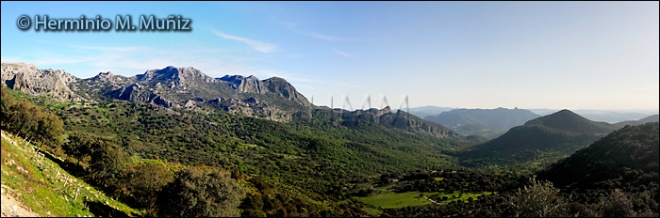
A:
(543, 139)
(488, 123)
(649, 119)
(384, 117)
(626, 157)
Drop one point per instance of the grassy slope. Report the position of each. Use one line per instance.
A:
(40, 188)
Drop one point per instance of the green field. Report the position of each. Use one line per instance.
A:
(457, 196)
(399, 200)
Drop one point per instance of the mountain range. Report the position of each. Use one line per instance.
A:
(189, 88)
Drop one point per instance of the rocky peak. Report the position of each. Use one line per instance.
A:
(28, 78)
(105, 75)
(171, 73)
(250, 84)
(285, 89)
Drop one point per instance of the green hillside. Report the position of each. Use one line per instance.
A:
(306, 166)
(626, 158)
(538, 142)
(47, 189)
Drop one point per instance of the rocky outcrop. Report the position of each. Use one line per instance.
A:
(274, 85)
(243, 84)
(27, 78)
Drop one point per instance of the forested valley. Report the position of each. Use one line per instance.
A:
(177, 162)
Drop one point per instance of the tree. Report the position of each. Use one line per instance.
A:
(78, 145)
(197, 194)
(28, 121)
(143, 181)
(539, 199)
(6, 101)
(107, 162)
(617, 204)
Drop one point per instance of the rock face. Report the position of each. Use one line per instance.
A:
(274, 85)
(27, 78)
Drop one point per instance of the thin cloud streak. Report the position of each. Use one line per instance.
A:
(262, 47)
(326, 37)
(343, 53)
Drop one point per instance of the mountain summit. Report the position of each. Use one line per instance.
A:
(566, 120)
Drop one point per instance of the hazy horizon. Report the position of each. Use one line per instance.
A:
(530, 55)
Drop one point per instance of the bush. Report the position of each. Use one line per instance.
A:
(196, 194)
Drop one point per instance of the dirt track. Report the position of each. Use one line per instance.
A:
(11, 207)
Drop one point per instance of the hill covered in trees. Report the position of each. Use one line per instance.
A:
(626, 158)
(542, 141)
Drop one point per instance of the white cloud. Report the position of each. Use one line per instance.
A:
(342, 53)
(262, 47)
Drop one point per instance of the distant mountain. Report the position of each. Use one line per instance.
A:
(542, 139)
(425, 111)
(488, 123)
(626, 158)
(611, 116)
(543, 112)
(649, 119)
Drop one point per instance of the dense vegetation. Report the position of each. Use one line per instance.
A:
(178, 162)
(301, 168)
(29, 121)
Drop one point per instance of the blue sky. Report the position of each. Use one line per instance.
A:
(575, 55)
